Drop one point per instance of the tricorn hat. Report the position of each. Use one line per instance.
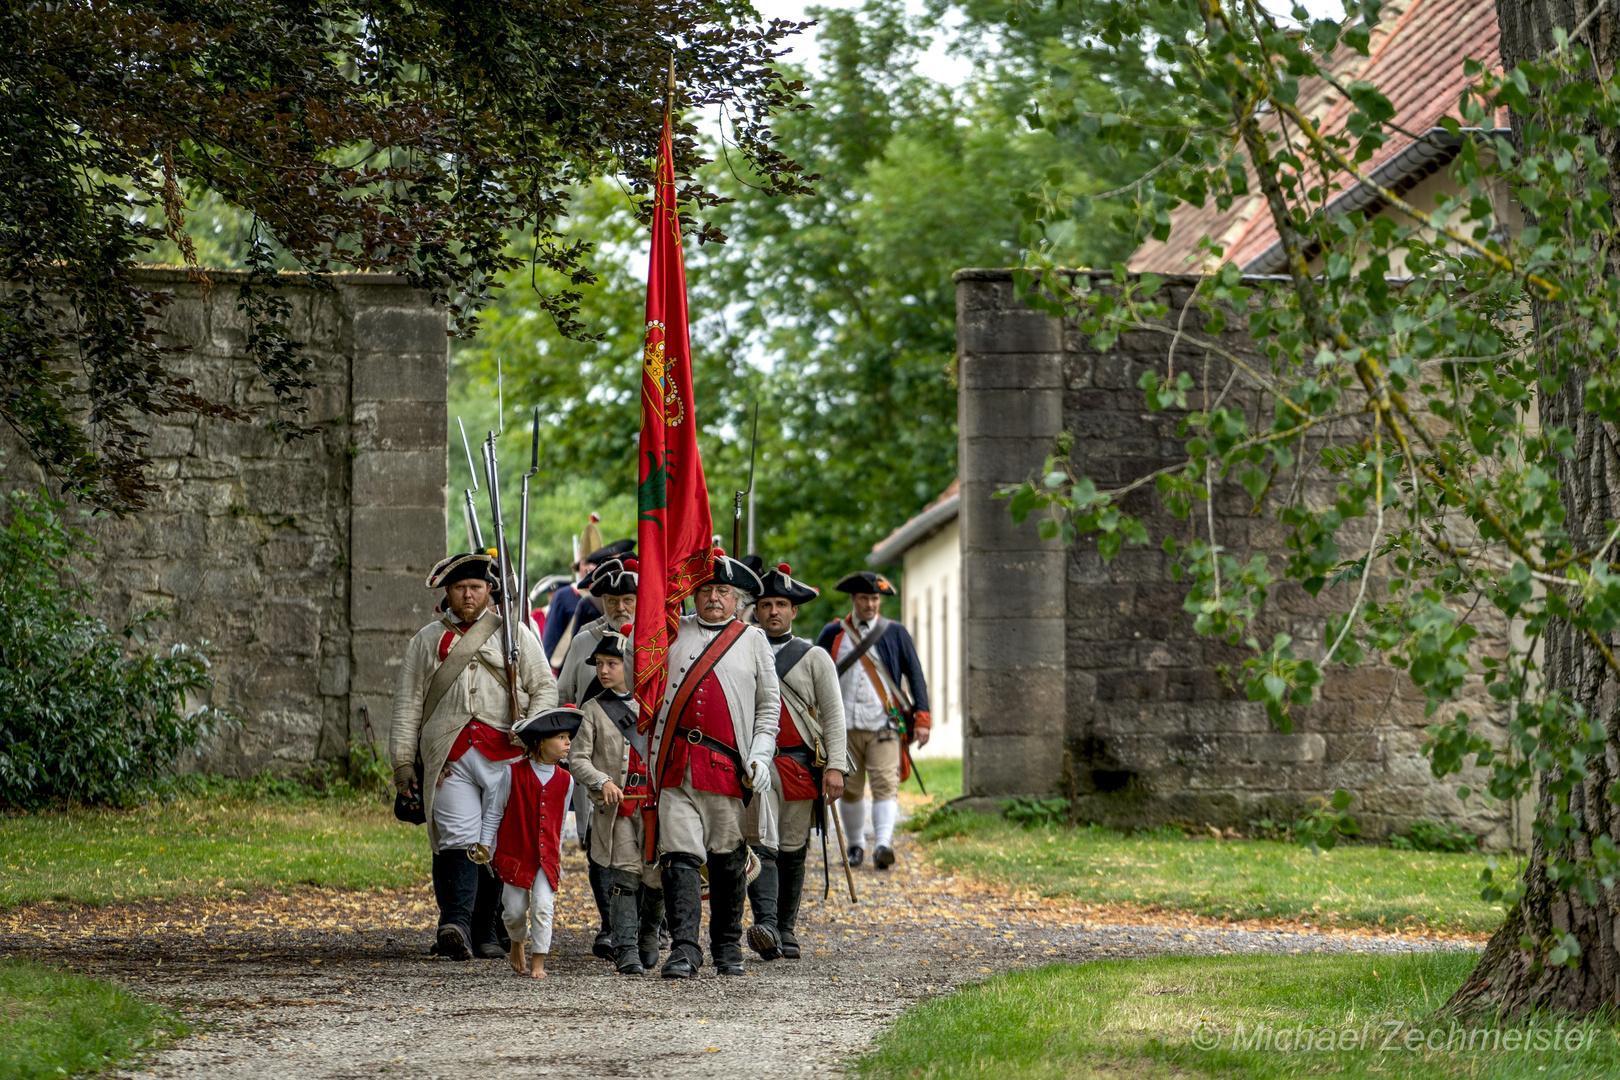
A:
(779, 582)
(615, 550)
(557, 721)
(476, 565)
(589, 539)
(612, 644)
(866, 581)
(733, 572)
(616, 577)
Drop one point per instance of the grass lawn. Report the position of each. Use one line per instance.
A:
(55, 1023)
(1355, 885)
(217, 839)
(1357, 1015)
(942, 777)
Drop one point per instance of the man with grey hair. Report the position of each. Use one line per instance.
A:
(715, 735)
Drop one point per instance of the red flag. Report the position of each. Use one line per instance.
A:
(674, 531)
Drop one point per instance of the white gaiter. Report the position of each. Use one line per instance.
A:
(854, 822)
(883, 815)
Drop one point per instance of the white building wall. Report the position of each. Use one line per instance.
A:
(931, 599)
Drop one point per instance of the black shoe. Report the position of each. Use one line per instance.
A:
(762, 939)
(678, 967)
(633, 967)
(856, 854)
(491, 950)
(729, 969)
(883, 857)
(789, 946)
(649, 961)
(453, 943)
(602, 947)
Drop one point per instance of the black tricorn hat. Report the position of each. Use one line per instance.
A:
(477, 565)
(779, 582)
(563, 718)
(616, 577)
(610, 551)
(733, 572)
(611, 644)
(866, 581)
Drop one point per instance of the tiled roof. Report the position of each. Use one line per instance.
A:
(933, 517)
(1416, 60)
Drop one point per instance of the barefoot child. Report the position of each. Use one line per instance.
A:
(522, 833)
(609, 759)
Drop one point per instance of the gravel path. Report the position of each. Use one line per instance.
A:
(334, 985)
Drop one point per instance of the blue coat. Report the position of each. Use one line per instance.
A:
(894, 650)
(564, 603)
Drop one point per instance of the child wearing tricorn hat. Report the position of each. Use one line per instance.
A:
(610, 760)
(522, 835)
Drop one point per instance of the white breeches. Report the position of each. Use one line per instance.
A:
(527, 913)
(463, 796)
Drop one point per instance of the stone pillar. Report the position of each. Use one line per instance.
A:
(1010, 372)
(397, 508)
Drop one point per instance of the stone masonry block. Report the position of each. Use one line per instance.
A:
(407, 538)
(396, 330)
(1016, 702)
(1030, 582)
(1021, 413)
(1000, 462)
(384, 600)
(399, 478)
(987, 521)
(1008, 332)
(400, 425)
(374, 660)
(389, 377)
(1010, 371)
(1013, 765)
(1013, 644)
(1296, 748)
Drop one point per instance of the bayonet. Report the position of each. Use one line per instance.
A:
(475, 535)
(523, 522)
(509, 637)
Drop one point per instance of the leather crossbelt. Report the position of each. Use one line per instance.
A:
(696, 737)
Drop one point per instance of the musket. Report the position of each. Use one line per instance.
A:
(523, 523)
(737, 501)
(475, 535)
(509, 635)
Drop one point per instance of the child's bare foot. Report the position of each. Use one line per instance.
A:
(537, 967)
(515, 957)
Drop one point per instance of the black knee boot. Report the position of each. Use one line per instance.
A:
(683, 905)
(789, 890)
(488, 929)
(763, 898)
(727, 896)
(455, 889)
(652, 920)
(626, 916)
(601, 879)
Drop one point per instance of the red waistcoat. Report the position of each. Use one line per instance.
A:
(797, 782)
(708, 712)
(530, 836)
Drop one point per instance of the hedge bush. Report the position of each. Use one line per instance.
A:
(88, 713)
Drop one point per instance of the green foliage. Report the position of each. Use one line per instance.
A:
(941, 820)
(55, 1023)
(88, 714)
(1432, 435)
(411, 137)
(1426, 835)
(1030, 811)
(1325, 822)
(1141, 1017)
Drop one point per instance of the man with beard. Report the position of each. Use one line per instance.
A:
(715, 736)
(810, 763)
(885, 707)
(450, 739)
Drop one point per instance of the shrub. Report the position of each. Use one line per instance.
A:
(1426, 835)
(1032, 812)
(88, 714)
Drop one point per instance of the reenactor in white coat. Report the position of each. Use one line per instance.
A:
(450, 740)
(713, 742)
(610, 761)
(807, 772)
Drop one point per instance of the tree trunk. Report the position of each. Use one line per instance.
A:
(1510, 978)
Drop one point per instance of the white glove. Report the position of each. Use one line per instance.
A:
(759, 774)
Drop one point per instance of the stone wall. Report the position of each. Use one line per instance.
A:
(300, 563)
(1085, 678)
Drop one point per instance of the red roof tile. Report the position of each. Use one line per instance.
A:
(1416, 60)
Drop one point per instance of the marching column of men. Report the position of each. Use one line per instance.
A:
(759, 732)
